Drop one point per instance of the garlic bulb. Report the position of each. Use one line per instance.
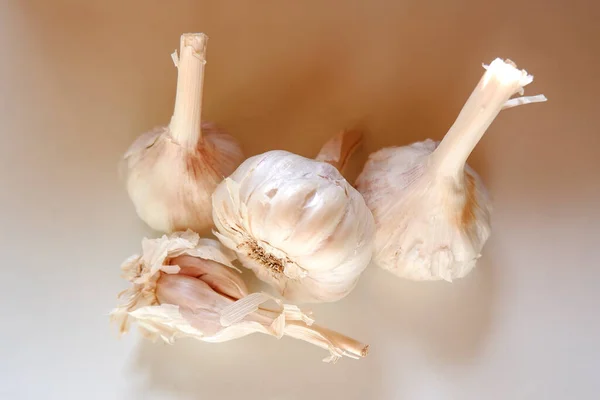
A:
(431, 210)
(173, 170)
(296, 222)
(184, 286)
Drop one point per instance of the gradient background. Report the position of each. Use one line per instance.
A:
(79, 80)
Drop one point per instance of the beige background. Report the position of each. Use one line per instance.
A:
(80, 79)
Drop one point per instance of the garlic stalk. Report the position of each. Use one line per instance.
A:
(297, 223)
(431, 209)
(173, 170)
(184, 286)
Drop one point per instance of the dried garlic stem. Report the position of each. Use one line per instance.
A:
(336, 343)
(185, 123)
(340, 148)
(500, 82)
(327, 339)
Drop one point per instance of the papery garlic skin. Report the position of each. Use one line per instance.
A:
(297, 223)
(428, 227)
(431, 210)
(184, 286)
(171, 185)
(173, 170)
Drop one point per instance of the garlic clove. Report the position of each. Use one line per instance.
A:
(431, 209)
(175, 293)
(173, 170)
(297, 223)
(222, 280)
(197, 300)
(189, 292)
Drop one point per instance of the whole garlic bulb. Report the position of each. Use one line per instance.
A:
(297, 223)
(431, 210)
(173, 170)
(184, 286)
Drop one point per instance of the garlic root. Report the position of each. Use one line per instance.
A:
(173, 170)
(184, 286)
(431, 209)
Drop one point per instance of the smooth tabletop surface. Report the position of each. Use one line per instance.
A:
(80, 80)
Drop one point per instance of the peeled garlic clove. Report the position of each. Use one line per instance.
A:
(173, 170)
(297, 223)
(179, 288)
(431, 210)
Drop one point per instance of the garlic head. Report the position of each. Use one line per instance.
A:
(431, 210)
(297, 224)
(173, 170)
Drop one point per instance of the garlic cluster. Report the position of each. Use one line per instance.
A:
(431, 210)
(173, 170)
(296, 222)
(184, 286)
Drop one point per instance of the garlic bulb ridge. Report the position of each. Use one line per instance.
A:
(173, 170)
(297, 223)
(431, 210)
(184, 286)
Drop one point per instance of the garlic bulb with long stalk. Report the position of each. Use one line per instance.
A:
(184, 286)
(296, 222)
(173, 170)
(431, 209)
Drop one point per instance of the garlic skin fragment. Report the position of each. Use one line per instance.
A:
(431, 209)
(338, 150)
(297, 224)
(184, 286)
(173, 170)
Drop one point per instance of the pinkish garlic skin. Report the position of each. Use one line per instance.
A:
(224, 280)
(170, 185)
(173, 170)
(201, 303)
(197, 301)
(189, 292)
(189, 296)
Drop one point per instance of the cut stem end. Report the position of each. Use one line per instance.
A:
(492, 94)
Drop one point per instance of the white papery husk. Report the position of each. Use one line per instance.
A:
(431, 209)
(168, 321)
(171, 185)
(420, 217)
(173, 170)
(297, 223)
